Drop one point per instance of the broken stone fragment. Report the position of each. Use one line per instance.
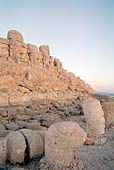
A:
(16, 147)
(60, 140)
(94, 116)
(34, 142)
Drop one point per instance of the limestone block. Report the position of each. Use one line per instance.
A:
(32, 49)
(12, 126)
(94, 116)
(44, 49)
(4, 100)
(3, 112)
(108, 108)
(3, 131)
(51, 61)
(34, 141)
(15, 35)
(34, 55)
(92, 108)
(13, 42)
(3, 46)
(16, 147)
(3, 150)
(57, 63)
(60, 140)
(33, 126)
(42, 133)
(19, 100)
(4, 53)
(4, 41)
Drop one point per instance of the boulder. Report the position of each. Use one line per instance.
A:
(94, 116)
(61, 138)
(3, 150)
(34, 142)
(16, 147)
(108, 108)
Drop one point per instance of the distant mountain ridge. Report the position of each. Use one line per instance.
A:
(105, 93)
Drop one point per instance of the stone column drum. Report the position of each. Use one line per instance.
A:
(60, 140)
(94, 115)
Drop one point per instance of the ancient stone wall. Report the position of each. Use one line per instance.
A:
(15, 50)
(29, 73)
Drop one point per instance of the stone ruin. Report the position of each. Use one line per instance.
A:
(94, 116)
(61, 139)
(14, 50)
(29, 74)
(33, 96)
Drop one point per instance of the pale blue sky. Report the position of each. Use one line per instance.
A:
(80, 33)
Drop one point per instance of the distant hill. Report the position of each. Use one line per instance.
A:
(105, 93)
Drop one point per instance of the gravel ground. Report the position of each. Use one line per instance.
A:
(90, 157)
(98, 157)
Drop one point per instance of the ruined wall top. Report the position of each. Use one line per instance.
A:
(15, 50)
(15, 35)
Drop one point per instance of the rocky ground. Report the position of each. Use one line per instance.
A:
(88, 157)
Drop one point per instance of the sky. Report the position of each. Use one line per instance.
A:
(79, 32)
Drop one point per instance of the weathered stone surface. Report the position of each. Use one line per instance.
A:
(34, 142)
(94, 116)
(15, 35)
(15, 168)
(21, 124)
(4, 100)
(33, 126)
(48, 120)
(12, 126)
(42, 134)
(16, 147)
(108, 108)
(3, 131)
(60, 140)
(28, 74)
(57, 63)
(3, 150)
(89, 141)
(44, 50)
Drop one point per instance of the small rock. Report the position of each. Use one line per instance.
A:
(89, 141)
